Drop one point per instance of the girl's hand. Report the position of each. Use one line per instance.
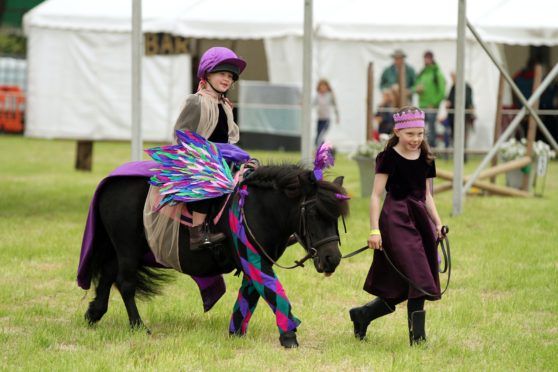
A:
(375, 242)
(439, 232)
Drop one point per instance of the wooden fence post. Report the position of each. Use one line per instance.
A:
(370, 102)
(532, 128)
(498, 121)
(402, 85)
(84, 155)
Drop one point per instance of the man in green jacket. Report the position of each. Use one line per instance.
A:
(390, 76)
(431, 89)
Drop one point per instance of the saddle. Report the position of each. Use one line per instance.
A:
(162, 224)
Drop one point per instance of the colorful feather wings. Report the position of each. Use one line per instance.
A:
(194, 169)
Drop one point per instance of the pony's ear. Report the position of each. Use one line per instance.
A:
(339, 181)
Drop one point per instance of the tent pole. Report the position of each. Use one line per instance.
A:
(459, 116)
(305, 138)
(137, 48)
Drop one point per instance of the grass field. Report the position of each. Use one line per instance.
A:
(500, 313)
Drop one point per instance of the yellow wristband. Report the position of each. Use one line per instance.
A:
(374, 232)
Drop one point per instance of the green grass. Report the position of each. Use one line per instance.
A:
(500, 313)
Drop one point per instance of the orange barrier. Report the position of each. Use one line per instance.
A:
(12, 101)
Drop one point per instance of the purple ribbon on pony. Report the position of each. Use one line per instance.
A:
(323, 160)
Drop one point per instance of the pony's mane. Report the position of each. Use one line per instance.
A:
(295, 181)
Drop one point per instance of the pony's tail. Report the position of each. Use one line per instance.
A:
(150, 281)
(103, 261)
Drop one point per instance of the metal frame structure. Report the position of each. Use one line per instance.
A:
(137, 52)
(459, 191)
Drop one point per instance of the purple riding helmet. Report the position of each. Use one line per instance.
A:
(220, 59)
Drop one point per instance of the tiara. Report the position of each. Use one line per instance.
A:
(409, 119)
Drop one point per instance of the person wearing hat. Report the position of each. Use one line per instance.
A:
(431, 89)
(390, 76)
(209, 113)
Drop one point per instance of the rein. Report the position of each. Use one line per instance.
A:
(311, 251)
(445, 247)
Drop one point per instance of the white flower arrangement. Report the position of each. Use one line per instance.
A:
(370, 149)
(514, 149)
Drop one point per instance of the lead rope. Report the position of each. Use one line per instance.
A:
(445, 248)
(447, 266)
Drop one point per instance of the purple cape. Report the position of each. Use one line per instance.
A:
(211, 288)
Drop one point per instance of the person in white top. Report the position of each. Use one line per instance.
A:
(325, 103)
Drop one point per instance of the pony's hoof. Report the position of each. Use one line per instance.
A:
(288, 340)
(141, 328)
(91, 320)
(92, 316)
(236, 334)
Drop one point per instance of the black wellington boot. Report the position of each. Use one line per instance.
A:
(417, 332)
(199, 237)
(362, 316)
(288, 340)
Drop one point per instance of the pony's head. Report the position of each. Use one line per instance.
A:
(314, 207)
(323, 209)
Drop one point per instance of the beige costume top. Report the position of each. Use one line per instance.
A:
(200, 115)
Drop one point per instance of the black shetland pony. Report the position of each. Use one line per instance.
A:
(282, 200)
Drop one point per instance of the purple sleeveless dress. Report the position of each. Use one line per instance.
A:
(408, 233)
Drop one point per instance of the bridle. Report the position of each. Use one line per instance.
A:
(306, 241)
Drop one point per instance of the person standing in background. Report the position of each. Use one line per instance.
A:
(431, 89)
(384, 115)
(325, 103)
(390, 76)
(469, 112)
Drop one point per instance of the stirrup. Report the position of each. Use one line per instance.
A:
(201, 238)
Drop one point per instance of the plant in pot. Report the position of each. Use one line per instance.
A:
(514, 149)
(365, 156)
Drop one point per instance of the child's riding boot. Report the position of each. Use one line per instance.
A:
(362, 316)
(200, 237)
(417, 332)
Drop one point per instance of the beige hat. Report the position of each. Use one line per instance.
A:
(398, 53)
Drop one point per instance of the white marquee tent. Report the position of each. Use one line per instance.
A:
(80, 56)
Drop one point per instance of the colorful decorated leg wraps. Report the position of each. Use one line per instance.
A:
(244, 306)
(259, 281)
